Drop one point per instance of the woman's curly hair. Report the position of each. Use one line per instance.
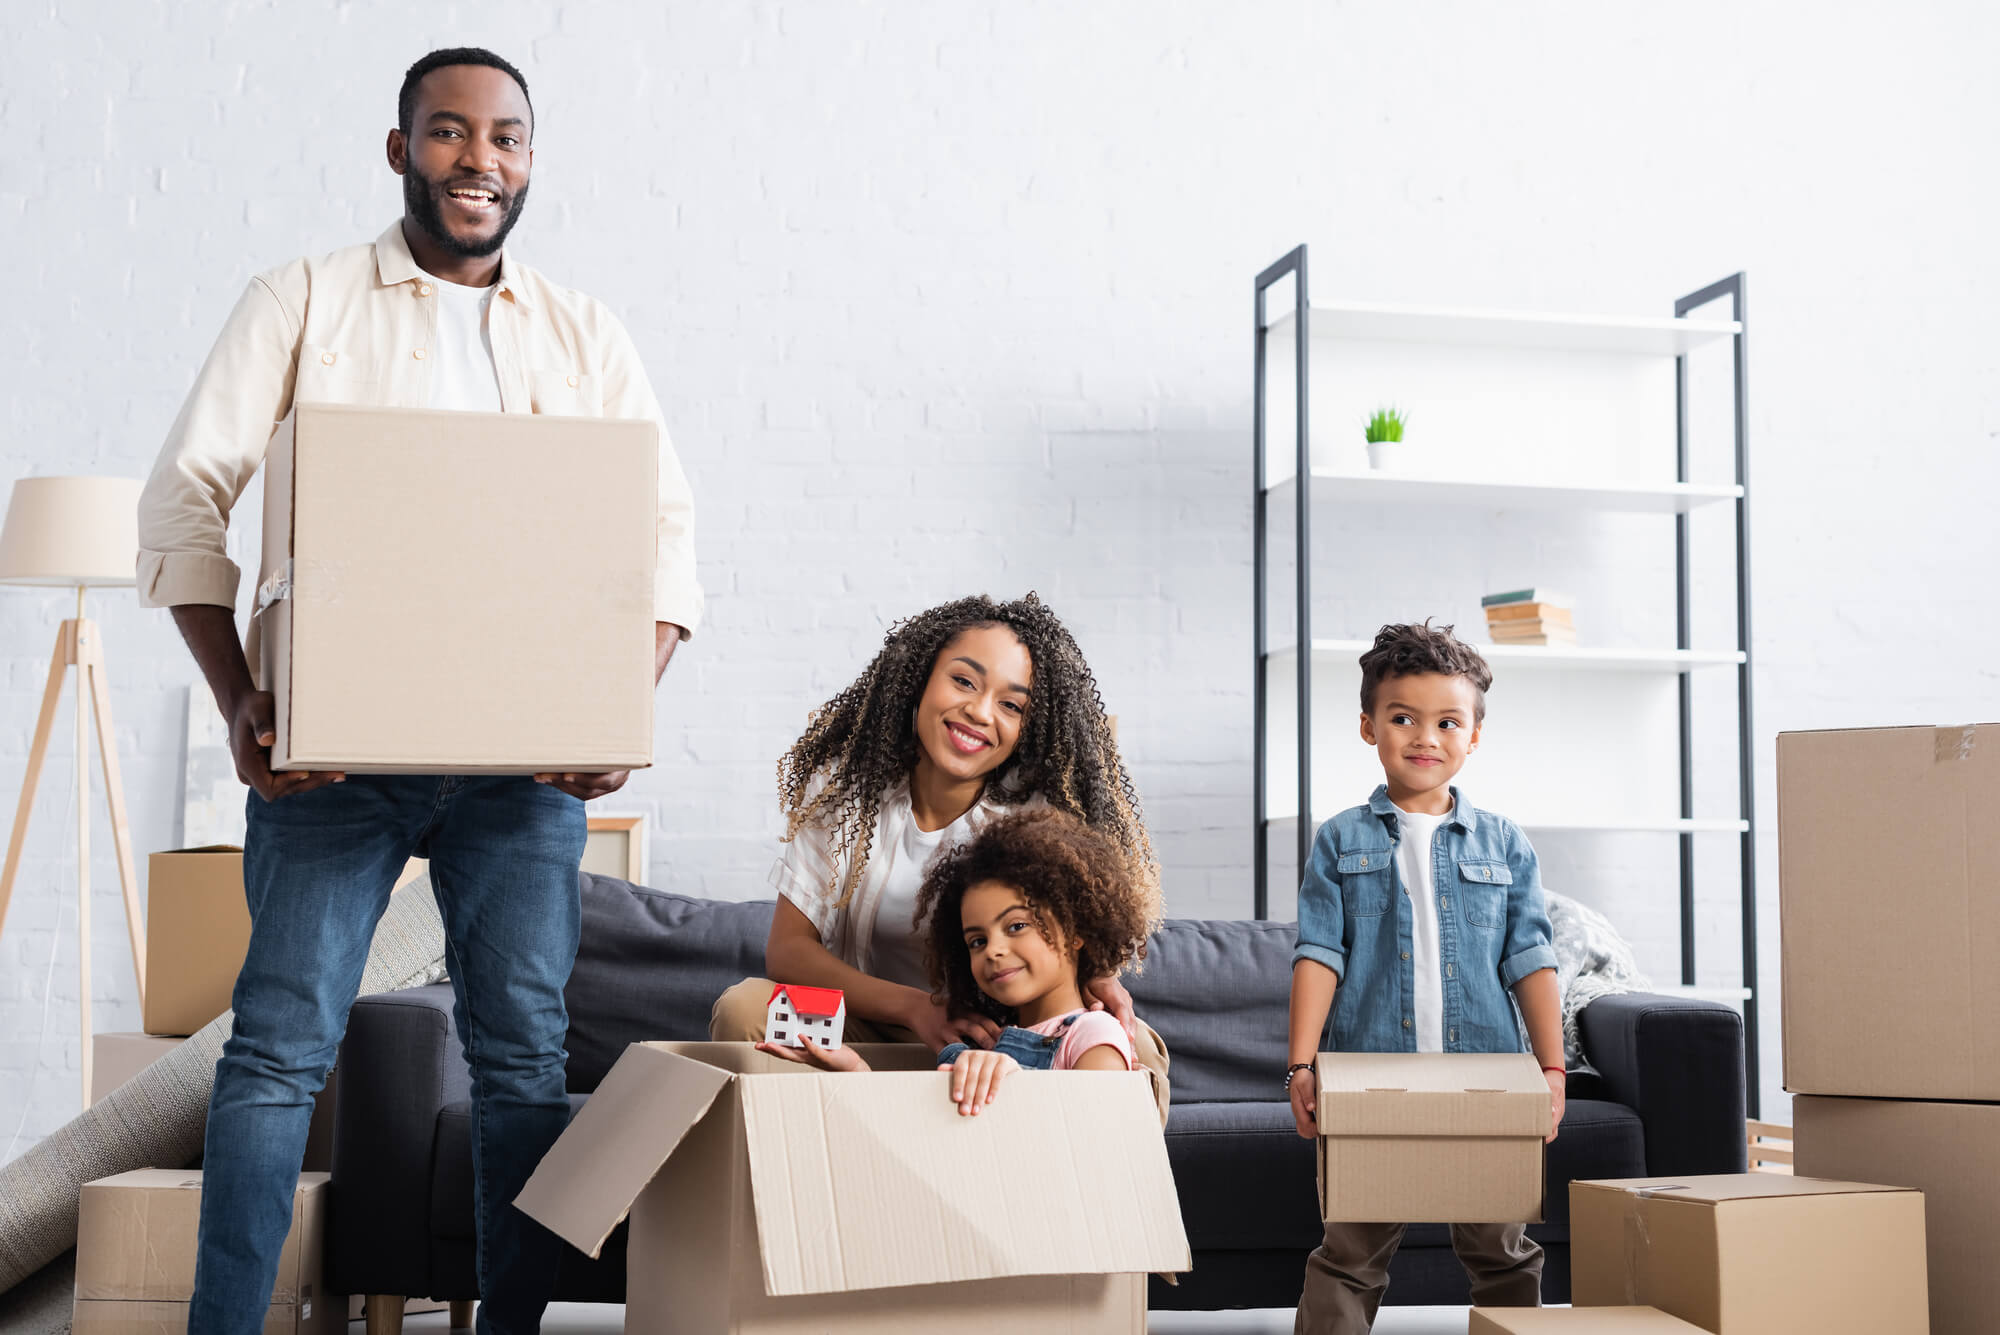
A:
(1076, 886)
(862, 742)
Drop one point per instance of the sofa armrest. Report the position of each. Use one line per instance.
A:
(1678, 1063)
(399, 1065)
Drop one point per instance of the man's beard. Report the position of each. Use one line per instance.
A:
(421, 198)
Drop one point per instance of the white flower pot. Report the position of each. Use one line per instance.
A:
(1389, 456)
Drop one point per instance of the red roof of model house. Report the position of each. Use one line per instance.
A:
(809, 1000)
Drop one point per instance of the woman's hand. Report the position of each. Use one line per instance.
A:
(975, 1079)
(938, 1026)
(1304, 1094)
(1558, 1099)
(812, 1054)
(1108, 994)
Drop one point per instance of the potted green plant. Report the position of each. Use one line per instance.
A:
(1385, 441)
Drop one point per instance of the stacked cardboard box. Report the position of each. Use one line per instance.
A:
(1529, 616)
(135, 1253)
(1889, 872)
(1577, 1321)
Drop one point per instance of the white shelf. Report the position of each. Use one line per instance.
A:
(1656, 336)
(1630, 497)
(1636, 825)
(1554, 657)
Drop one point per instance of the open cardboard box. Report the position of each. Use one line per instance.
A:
(1431, 1137)
(768, 1197)
(1753, 1253)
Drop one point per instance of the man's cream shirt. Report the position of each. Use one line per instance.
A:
(359, 326)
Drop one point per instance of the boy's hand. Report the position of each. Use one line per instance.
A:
(1304, 1092)
(812, 1054)
(1558, 1098)
(975, 1078)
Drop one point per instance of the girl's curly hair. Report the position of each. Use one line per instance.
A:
(1076, 886)
(862, 743)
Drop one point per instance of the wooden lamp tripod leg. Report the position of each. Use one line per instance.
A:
(37, 753)
(92, 661)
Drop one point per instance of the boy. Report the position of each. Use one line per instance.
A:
(1418, 913)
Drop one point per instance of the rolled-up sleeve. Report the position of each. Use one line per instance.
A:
(1322, 923)
(803, 874)
(1529, 945)
(677, 595)
(214, 448)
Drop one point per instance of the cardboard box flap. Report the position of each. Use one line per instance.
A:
(1431, 1094)
(586, 1183)
(1723, 1188)
(871, 1182)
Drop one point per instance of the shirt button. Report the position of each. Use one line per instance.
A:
(423, 289)
(1406, 1022)
(1406, 954)
(327, 358)
(418, 354)
(1364, 862)
(1454, 1035)
(572, 382)
(1445, 900)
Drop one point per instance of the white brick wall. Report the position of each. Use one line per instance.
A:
(954, 297)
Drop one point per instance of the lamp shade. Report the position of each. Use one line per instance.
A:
(71, 530)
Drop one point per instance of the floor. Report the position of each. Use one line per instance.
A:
(589, 1319)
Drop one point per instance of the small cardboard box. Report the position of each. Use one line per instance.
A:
(1431, 1137)
(768, 1197)
(135, 1254)
(116, 1058)
(459, 593)
(1577, 1321)
(1881, 926)
(1948, 1151)
(197, 931)
(1753, 1253)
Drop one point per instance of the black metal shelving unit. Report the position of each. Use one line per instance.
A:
(1293, 266)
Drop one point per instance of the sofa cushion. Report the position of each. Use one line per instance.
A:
(1217, 990)
(1246, 1177)
(650, 966)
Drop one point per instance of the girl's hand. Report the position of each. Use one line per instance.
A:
(812, 1054)
(975, 1079)
(1304, 1093)
(938, 1027)
(1108, 994)
(1558, 1099)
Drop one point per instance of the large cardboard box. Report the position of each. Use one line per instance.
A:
(452, 593)
(1889, 875)
(135, 1253)
(116, 1058)
(1753, 1253)
(1577, 1321)
(1431, 1137)
(1948, 1151)
(197, 930)
(767, 1197)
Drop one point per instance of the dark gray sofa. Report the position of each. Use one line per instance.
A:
(1669, 1102)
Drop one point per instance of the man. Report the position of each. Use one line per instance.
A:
(432, 315)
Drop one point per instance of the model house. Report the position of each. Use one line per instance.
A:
(818, 1013)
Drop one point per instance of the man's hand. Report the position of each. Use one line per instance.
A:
(1558, 1100)
(938, 1026)
(586, 786)
(1304, 1095)
(1108, 994)
(253, 731)
(976, 1077)
(812, 1054)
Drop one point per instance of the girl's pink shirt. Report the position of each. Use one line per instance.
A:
(1092, 1029)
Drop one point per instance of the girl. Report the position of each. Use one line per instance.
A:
(970, 710)
(1018, 918)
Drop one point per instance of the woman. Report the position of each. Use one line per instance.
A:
(969, 710)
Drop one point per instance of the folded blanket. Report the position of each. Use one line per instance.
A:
(157, 1118)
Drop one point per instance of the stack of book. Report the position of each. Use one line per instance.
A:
(1529, 616)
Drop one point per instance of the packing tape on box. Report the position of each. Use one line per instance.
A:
(1638, 1241)
(275, 589)
(1955, 743)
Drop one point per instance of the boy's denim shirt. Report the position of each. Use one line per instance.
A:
(1493, 930)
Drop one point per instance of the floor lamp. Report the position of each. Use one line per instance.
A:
(76, 532)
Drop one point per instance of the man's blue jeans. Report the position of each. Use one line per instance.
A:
(317, 870)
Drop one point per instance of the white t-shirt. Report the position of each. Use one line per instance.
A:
(873, 932)
(462, 375)
(1413, 868)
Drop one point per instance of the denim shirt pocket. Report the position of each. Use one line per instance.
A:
(1367, 883)
(1482, 890)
